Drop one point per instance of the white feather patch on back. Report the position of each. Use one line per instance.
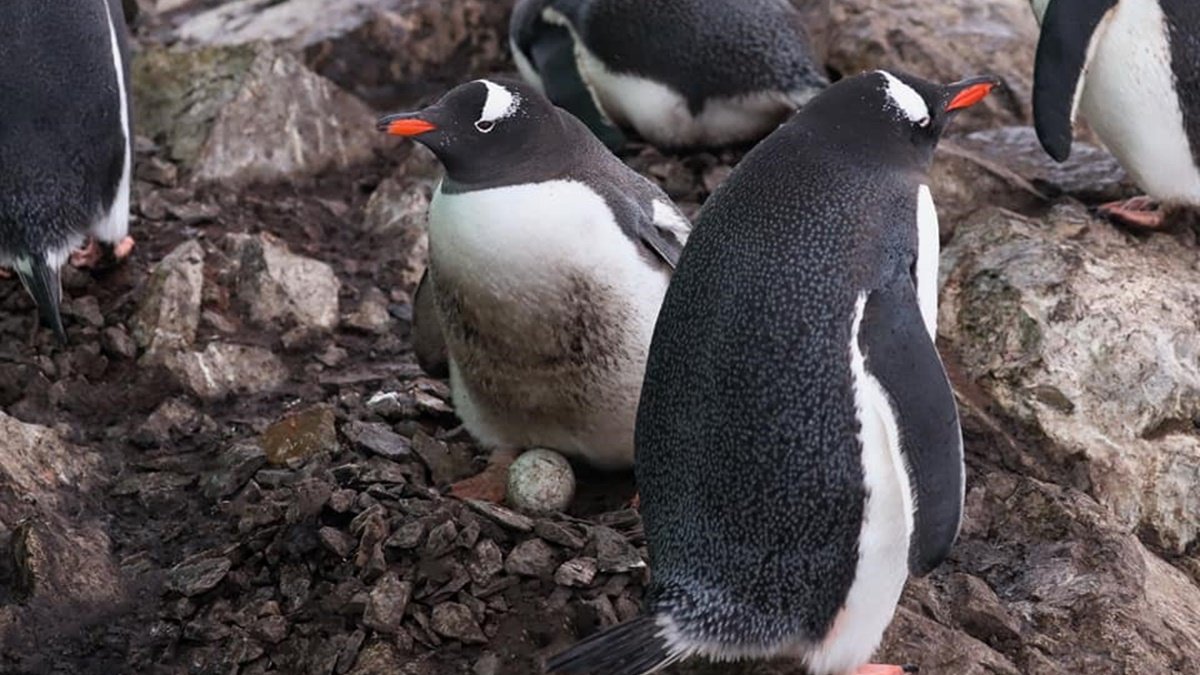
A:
(500, 102)
(905, 99)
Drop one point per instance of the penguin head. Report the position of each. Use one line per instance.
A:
(479, 127)
(896, 115)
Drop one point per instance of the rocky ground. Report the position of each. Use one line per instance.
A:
(236, 465)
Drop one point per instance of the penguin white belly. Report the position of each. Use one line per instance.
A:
(888, 518)
(113, 225)
(661, 115)
(1129, 98)
(530, 264)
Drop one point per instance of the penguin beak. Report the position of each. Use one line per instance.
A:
(404, 124)
(971, 91)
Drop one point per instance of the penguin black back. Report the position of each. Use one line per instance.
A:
(62, 140)
(711, 43)
(751, 441)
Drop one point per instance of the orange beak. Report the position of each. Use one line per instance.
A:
(406, 127)
(970, 96)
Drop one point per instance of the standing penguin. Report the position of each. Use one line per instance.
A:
(682, 73)
(798, 446)
(65, 140)
(1133, 68)
(548, 261)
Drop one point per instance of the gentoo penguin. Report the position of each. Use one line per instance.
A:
(65, 140)
(682, 74)
(548, 260)
(1133, 68)
(798, 445)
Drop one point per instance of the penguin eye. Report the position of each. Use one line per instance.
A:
(484, 126)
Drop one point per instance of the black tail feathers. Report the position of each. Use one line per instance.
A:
(635, 647)
(44, 285)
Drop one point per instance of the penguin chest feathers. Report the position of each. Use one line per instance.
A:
(1130, 98)
(548, 309)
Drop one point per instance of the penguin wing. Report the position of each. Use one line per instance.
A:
(550, 46)
(900, 354)
(1069, 30)
(429, 344)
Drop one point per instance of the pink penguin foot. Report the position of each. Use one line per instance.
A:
(1139, 212)
(94, 255)
(878, 669)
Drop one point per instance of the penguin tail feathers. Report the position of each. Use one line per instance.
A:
(636, 647)
(43, 283)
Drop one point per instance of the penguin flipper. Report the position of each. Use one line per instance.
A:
(43, 283)
(551, 49)
(429, 344)
(1070, 28)
(901, 355)
(635, 647)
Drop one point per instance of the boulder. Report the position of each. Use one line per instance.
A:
(223, 369)
(1085, 336)
(384, 51)
(58, 566)
(397, 212)
(943, 41)
(247, 113)
(282, 288)
(169, 312)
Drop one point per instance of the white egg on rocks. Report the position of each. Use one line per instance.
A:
(540, 481)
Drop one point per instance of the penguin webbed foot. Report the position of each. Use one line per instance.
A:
(880, 669)
(490, 485)
(95, 255)
(1139, 212)
(6, 273)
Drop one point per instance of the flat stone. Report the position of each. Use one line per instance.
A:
(169, 312)
(378, 438)
(453, 620)
(614, 553)
(532, 558)
(301, 436)
(223, 369)
(195, 577)
(386, 604)
(237, 466)
(576, 573)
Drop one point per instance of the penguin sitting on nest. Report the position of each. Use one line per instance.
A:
(686, 73)
(548, 261)
(65, 141)
(798, 444)
(1132, 67)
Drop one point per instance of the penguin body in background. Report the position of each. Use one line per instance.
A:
(548, 262)
(65, 139)
(688, 73)
(1132, 67)
(798, 445)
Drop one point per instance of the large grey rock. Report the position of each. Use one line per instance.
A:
(222, 369)
(397, 212)
(248, 113)
(943, 41)
(1092, 174)
(169, 313)
(59, 555)
(280, 287)
(382, 50)
(1086, 336)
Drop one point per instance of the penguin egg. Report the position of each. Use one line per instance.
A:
(540, 481)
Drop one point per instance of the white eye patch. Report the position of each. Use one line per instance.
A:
(906, 100)
(500, 103)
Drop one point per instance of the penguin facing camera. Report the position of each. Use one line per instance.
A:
(65, 141)
(687, 73)
(548, 260)
(798, 445)
(1132, 67)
